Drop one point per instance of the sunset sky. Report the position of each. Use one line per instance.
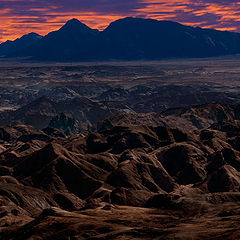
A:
(18, 17)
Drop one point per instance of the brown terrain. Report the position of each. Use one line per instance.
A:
(124, 150)
(134, 180)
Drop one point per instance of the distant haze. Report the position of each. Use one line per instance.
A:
(19, 17)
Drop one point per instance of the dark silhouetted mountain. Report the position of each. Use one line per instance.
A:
(72, 41)
(19, 46)
(136, 38)
(130, 39)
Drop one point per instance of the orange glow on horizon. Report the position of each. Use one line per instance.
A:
(14, 28)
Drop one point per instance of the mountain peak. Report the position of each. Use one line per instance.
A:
(73, 21)
(73, 24)
(31, 35)
(141, 22)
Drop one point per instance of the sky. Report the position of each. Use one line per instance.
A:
(19, 17)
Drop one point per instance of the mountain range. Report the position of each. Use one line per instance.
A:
(125, 39)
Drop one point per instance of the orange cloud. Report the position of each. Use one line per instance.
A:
(208, 14)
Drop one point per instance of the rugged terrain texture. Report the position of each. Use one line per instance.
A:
(37, 93)
(81, 114)
(128, 181)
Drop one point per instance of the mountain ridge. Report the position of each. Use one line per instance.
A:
(127, 39)
(19, 44)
